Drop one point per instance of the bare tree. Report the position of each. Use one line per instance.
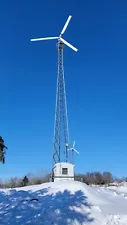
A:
(98, 178)
(107, 177)
(12, 182)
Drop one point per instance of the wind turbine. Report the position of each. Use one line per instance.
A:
(61, 129)
(73, 150)
(59, 38)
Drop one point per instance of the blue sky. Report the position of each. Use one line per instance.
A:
(96, 82)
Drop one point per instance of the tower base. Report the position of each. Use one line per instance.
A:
(63, 171)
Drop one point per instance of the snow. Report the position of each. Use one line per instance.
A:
(64, 203)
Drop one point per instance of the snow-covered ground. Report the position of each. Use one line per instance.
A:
(63, 203)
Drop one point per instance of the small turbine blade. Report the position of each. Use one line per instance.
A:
(69, 45)
(65, 26)
(75, 150)
(73, 144)
(43, 39)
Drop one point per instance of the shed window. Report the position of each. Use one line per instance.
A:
(65, 171)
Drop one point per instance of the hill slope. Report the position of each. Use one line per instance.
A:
(62, 203)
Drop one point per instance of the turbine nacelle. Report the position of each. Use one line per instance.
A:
(59, 37)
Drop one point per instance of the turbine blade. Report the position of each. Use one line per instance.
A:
(43, 39)
(76, 151)
(73, 144)
(68, 44)
(66, 24)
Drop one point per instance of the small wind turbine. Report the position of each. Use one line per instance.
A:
(73, 150)
(59, 38)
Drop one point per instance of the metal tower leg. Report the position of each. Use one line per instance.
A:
(61, 130)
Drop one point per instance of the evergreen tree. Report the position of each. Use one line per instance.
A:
(2, 150)
(25, 181)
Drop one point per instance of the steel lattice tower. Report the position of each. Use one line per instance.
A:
(61, 149)
(61, 130)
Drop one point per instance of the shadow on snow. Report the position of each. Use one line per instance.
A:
(61, 208)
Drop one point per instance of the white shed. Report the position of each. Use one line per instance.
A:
(63, 171)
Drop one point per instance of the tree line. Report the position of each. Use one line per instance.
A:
(95, 178)
(98, 178)
(29, 179)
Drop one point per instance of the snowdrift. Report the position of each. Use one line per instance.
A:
(62, 203)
